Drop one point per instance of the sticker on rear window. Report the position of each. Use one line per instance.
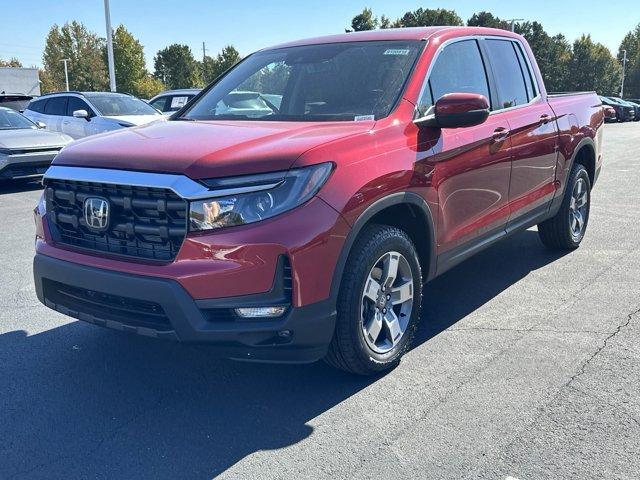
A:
(396, 51)
(360, 118)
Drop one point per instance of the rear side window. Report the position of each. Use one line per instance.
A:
(509, 77)
(56, 106)
(76, 103)
(446, 76)
(526, 72)
(177, 102)
(37, 106)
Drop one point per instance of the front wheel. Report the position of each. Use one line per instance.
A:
(567, 228)
(378, 304)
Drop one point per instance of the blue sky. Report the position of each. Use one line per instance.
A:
(250, 25)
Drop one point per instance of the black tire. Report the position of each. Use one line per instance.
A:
(556, 233)
(348, 349)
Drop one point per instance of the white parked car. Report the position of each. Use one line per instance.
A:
(173, 100)
(79, 114)
(26, 150)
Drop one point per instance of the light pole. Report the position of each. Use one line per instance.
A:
(513, 23)
(624, 67)
(112, 69)
(66, 72)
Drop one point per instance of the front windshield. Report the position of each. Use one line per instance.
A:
(115, 105)
(329, 82)
(11, 120)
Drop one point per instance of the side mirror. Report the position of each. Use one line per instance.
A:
(81, 114)
(41, 125)
(455, 110)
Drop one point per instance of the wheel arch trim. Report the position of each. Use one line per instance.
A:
(399, 198)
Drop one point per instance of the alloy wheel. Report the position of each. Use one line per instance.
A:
(387, 300)
(578, 208)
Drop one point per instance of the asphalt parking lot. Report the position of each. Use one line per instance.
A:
(527, 365)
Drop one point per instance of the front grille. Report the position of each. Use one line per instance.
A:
(16, 170)
(145, 223)
(128, 311)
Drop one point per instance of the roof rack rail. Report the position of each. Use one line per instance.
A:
(65, 91)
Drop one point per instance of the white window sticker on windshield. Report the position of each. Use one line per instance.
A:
(396, 51)
(178, 102)
(361, 118)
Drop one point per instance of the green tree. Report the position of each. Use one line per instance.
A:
(212, 68)
(551, 53)
(631, 43)
(148, 86)
(129, 63)
(176, 67)
(385, 22)
(427, 17)
(364, 21)
(84, 49)
(14, 62)
(487, 19)
(593, 67)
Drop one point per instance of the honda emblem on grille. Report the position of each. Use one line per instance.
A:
(96, 213)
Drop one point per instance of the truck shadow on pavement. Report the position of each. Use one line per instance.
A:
(78, 401)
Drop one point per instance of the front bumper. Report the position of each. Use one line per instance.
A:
(25, 165)
(162, 308)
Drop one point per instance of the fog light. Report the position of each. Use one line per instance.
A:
(255, 312)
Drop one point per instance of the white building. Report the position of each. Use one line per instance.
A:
(19, 80)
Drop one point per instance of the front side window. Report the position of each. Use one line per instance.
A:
(76, 103)
(512, 90)
(458, 69)
(159, 103)
(115, 105)
(329, 82)
(12, 120)
(56, 106)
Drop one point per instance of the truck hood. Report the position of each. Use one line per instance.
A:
(206, 149)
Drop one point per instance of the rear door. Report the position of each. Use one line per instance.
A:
(534, 132)
(54, 111)
(472, 165)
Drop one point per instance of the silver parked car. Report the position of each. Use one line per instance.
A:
(80, 114)
(173, 100)
(26, 149)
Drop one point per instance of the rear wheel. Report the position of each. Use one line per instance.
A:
(567, 228)
(379, 302)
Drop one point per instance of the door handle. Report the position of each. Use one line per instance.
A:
(500, 134)
(544, 119)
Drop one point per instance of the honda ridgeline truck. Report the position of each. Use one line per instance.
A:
(294, 208)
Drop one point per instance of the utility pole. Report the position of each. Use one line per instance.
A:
(624, 67)
(204, 51)
(513, 23)
(66, 72)
(112, 68)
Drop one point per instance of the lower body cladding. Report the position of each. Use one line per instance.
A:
(162, 308)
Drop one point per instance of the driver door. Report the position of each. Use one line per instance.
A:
(471, 165)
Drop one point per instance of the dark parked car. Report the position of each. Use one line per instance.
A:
(15, 101)
(627, 103)
(624, 111)
(294, 209)
(636, 106)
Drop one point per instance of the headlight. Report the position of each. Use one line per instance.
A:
(255, 197)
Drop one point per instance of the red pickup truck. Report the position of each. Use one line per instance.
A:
(293, 210)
